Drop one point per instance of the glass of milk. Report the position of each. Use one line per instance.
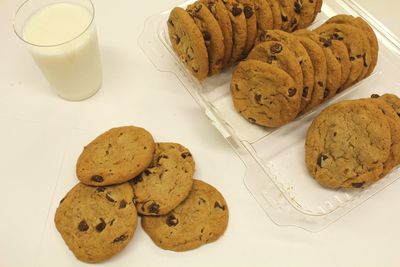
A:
(61, 37)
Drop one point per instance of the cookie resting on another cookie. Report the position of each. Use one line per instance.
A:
(96, 223)
(115, 156)
(202, 218)
(166, 182)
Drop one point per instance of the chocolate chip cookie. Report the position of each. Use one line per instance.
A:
(239, 29)
(307, 9)
(367, 30)
(249, 11)
(394, 122)
(188, 43)
(348, 144)
(264, 16)
(288, 15)
(96, 223)
(212, 35)
(166, 182)
(279, 54)
(264, 94)
(302, 57)
(221, 14)
(357, 45)
(115, 156)
(318, 60)
(276, 14)
(334, 69)
(202, 218)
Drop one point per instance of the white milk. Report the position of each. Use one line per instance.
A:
(65, 48)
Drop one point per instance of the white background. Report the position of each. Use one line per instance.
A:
(42, 135)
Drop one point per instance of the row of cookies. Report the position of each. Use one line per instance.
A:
(354, 143)
(123, 173)
(211, 35)
(289, 74)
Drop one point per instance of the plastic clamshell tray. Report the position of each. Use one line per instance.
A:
(276, 174)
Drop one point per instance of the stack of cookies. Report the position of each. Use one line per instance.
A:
(289, 74)
(354, 143)
(123, 173)
(211, 35)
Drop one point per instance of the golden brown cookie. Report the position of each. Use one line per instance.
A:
(302, 57)
(212, 34)
(307, 11)
(339, 50)
(239, 29)
(318, 60)
(166, 182)
(97, 223)
(188, 43)
(221, 14)
(289, 20)
(264, 94)
(334, 69)
(115, 156)
(249, 10)
(276, 14)
(357, 45)
(394, 122)
(202, 218)
(348, 144)
(264, 16)
(279, 54)
(368, 31)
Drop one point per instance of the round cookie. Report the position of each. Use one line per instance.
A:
(202, 218)
(289, 20)
(302, 56)
(307, 13)
(264, 16)
(221, 14)
(212, 34)
(393, 101)
(334, 69)
(276, 14)
(278, 54)
(166, 182)
(297, 7)
(318, 7)
(249, 10)
(348, 144)
(188, 43)
(368, 31)
(394, 122)
(357, 45)
(96, 223)
(318, 60)
(264, 94)
(339, 50)
(239, 29)
(115, 156)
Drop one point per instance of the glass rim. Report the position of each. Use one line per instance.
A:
(20, 36)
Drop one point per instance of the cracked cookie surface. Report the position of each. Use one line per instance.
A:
(115, 156)
(97, 222)
(202, 218)
(166, 182)
(348, 144)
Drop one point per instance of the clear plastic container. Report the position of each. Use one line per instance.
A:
(276, 174)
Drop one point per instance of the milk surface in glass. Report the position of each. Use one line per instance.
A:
(63, 43)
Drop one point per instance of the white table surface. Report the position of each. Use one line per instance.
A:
(42, 135)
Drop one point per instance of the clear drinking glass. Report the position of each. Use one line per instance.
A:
(62, 39)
